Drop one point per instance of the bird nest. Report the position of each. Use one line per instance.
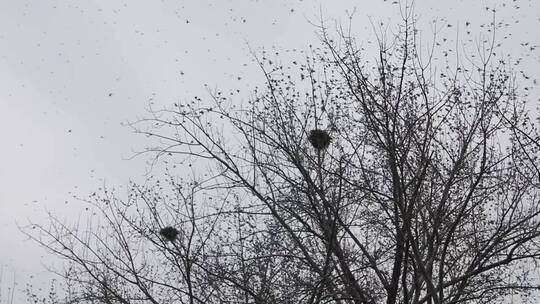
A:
(319, 139)
(169, 233)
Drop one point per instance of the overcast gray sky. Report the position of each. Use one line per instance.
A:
(72, 71)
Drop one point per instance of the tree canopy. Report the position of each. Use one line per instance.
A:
(343, 180)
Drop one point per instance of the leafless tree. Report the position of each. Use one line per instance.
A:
(341, 181)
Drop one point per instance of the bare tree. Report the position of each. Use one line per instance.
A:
(341, 181)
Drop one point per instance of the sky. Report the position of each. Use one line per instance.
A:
(73, 73)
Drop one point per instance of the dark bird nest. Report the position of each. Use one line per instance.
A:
(319, 139)
(169, 233)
